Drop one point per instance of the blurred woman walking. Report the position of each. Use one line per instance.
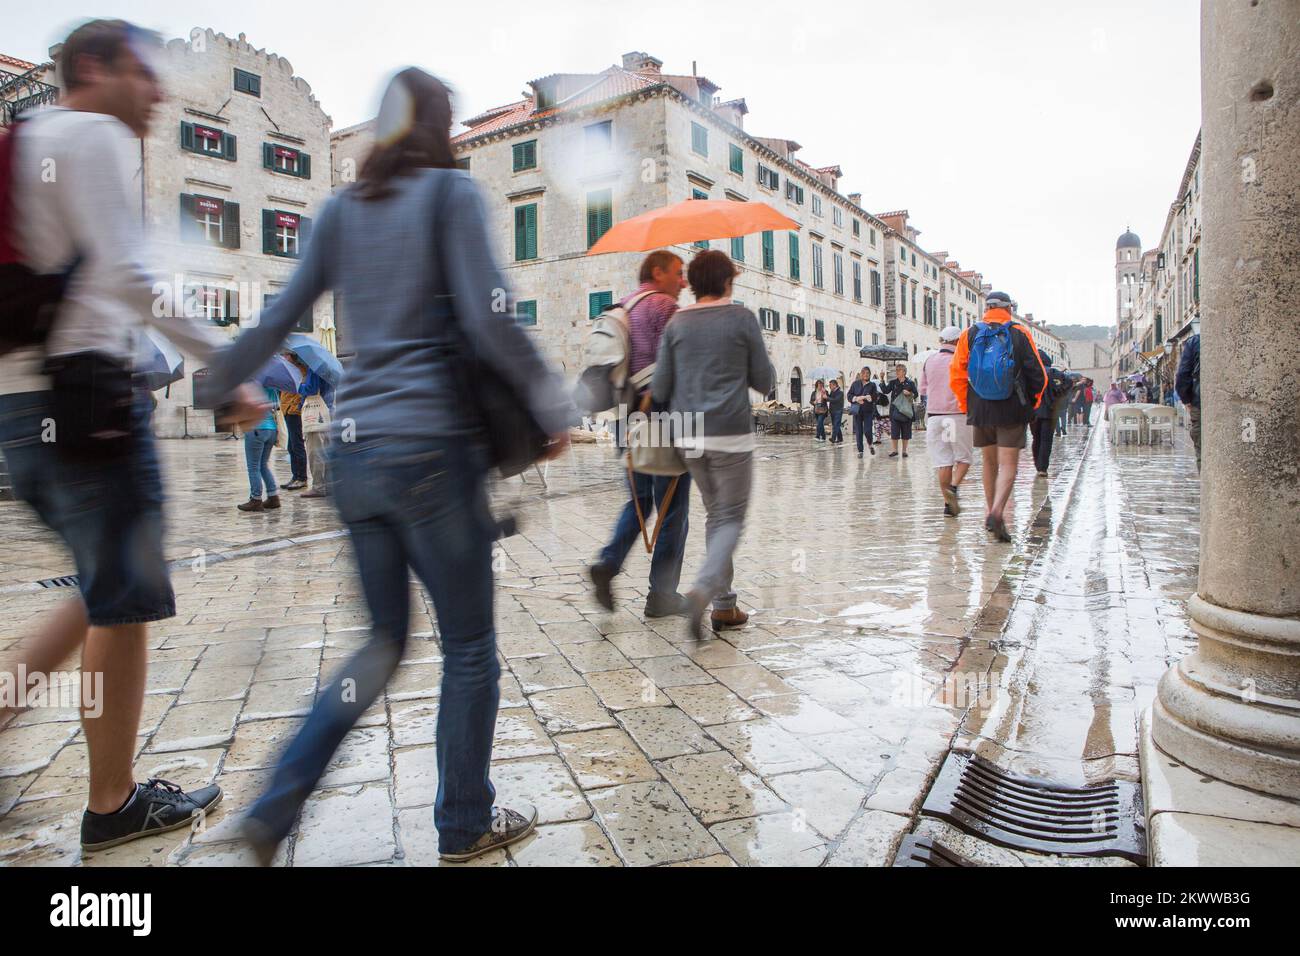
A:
(409, 478)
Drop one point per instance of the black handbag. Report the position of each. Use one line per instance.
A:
(93, 406)
(513, 439)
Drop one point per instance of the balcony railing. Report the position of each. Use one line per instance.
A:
(23, 91)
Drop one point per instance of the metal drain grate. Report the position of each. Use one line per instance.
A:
(923, 851)
(1028, 814)
(67, 581)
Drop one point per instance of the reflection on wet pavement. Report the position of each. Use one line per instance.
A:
(808, 737)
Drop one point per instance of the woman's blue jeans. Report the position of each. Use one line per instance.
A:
(258, 445)
(412, 505)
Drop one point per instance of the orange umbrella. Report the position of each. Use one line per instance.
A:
(693, 220)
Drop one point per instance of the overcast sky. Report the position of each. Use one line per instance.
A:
(1023, 135)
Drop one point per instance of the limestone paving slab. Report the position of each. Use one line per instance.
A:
(628, 736)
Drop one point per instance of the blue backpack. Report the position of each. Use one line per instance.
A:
(991, 368)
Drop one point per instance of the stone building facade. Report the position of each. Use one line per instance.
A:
(1159, 301)
(582, 151)
(234, 170)
(227, 188)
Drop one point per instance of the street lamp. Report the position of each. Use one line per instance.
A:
(821, 348)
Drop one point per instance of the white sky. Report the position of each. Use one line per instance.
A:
(1023, 135)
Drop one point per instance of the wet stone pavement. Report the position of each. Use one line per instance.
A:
(880, 632)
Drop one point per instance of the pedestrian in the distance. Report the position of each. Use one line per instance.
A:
(411, 487)
(948, 438)
(1043, 426)
(902, 409)
(835, 399)
(712, 354)
(864, 394)
(821, 407)
(1115, 396)
(999, 382)
(1059, 405)
(317, 416)
(1188, 385)
(291, 411)
(259, 442)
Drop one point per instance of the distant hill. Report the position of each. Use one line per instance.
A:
(1076, 333)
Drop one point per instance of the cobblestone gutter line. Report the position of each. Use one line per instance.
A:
(982, 643)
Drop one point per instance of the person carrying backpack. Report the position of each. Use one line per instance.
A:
(649, 310)
(999, 382)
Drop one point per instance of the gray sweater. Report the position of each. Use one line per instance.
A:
(383, 258)
(709, 358)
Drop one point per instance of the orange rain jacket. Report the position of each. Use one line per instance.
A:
(1007, 411)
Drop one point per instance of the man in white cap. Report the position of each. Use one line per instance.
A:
(947, 436)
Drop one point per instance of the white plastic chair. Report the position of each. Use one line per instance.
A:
(1160, 421)
(1125, 420)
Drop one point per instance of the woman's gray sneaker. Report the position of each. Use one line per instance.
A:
(156, 807)
(508, 826)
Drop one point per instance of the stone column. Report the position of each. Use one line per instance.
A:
(1232, 709)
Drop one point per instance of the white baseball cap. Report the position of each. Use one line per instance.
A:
(950, 334)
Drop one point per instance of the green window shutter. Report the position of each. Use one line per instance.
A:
(187, 136)
(232, 306)
(794, 255)
(769, 251)
(600, 214)
(188, 226)
(525, 232)
(230, 226)
(699, 139)
(737, 160)
(526, 312)
(268, 156)
(738, 248)
(304, 166)
(597, 302)
(228, 146)
(525, 155)
(268, 231)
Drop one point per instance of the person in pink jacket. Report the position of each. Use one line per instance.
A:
(1113, 397)
(947, 436)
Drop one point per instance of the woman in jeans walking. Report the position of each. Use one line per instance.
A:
(821, 407)
(258, 445)
(408, 469)
(710, 356)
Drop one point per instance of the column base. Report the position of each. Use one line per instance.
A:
(1231, 710)
(1195, 821)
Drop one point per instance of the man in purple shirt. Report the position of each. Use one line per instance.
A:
(661, 284)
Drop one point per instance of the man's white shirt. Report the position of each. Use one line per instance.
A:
(75, 194)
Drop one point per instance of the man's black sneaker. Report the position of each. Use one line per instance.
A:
(601, 576)
(508, 826)
(156, 807)
(666, 605)
(948, 512)
(873, 449)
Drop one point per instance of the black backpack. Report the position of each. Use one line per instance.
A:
(29, 300)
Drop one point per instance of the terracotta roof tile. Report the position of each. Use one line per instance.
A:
(13, 61)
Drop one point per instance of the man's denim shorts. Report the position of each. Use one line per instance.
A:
(108, 514)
